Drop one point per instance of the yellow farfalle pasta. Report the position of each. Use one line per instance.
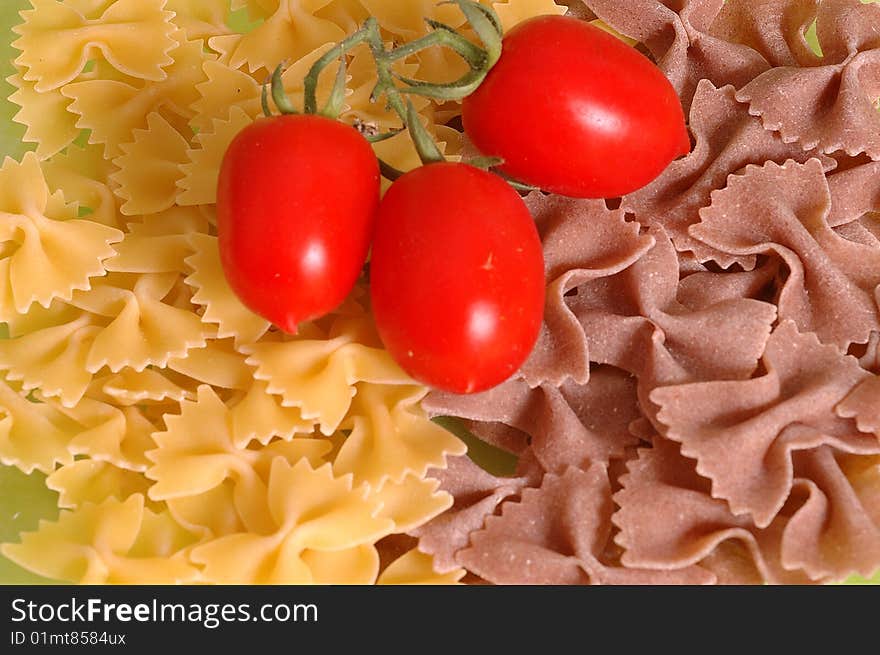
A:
(411, 502)
(132, 101)
(198, 185)
(143, 330)
(149, 168)
(391, 437)
(113, 542)
(318, 375)
(197, 452)
(130, 387)
(227, 86)
(121, 436)
(217, 364)
(83, 175)
(417, 568)
(48, 123)
(53, 359)
(221, 306)
(92, 481)
(291, 31)
(45, 251)
(200, 19)
(323, 532)
(33, 435)
(57, 39)
(183, 434)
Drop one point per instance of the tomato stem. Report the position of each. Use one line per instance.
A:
(310, 84)
(429, 151)
(480, 59)
(279, 95)
(336, 102)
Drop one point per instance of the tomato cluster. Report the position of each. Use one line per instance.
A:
(457, 272)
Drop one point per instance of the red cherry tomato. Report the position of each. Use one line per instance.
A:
(456, 277)
(575, 111)
(296, 206)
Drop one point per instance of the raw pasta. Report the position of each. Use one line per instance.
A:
(702, 405)
(173, 421)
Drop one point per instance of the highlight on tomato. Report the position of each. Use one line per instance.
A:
(456, 277)
(296, 204)
(573, 110)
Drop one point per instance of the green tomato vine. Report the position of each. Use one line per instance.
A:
(396, 88)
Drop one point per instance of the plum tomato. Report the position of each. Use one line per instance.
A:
(296, 206)
(456, 277)
(575, 111)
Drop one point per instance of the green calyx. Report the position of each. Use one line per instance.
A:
(480, 59)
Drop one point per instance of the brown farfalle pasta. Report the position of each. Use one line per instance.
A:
(783, 210)
(727, 138)
(829, 104)
(745, 330)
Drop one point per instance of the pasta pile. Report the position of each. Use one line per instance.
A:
(188, 440)
(703, 405)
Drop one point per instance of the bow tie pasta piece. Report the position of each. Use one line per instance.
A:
(48, 253)
(166, 253)
(477, 494)
(259, 416)
(845, 27)
(53, 360)
(412, 502)
(56, 40)
(83, 175)
(33, 435)
(198, 184)
(224, 86)
(121, 436)
(92, 481)
(221, 306)
(319, 376)
(214, 513)
(570, 425)
(200, 19)
(131, 102)
(756, 425)
(727, 138)
(150, 167)
(324, 532)
(111, 543)
(417, 568)
(669, 519)
(777, 30)
(784, 210)
(830, 108)
(558, 534)
(583, 240)
(391, 437)
(130, 387)
(197, 452)
(684, 42)
(143, 327)
(217, 364)
(290, 32)
(45, 116)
